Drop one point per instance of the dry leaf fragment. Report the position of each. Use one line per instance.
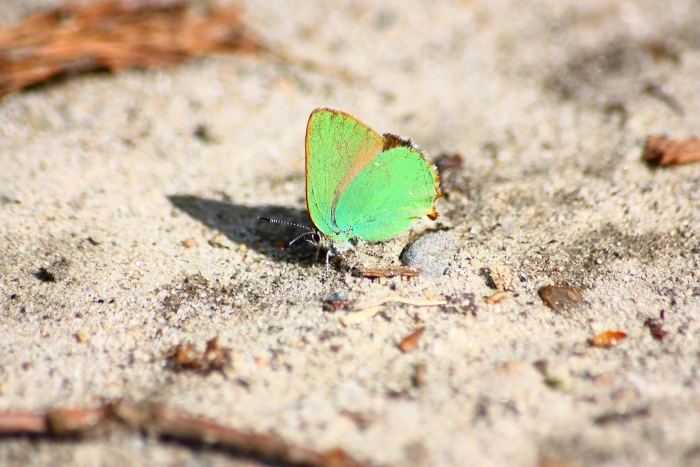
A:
(410, 343)
(656, 326)
(607, 339)
(559, 298)
(214, 358)
(660, 150)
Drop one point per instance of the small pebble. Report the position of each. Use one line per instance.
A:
(335, 301)
(219, 241)
(82, 337)
(432, 252)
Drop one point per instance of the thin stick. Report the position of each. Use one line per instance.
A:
(170, 423)
(395, 297)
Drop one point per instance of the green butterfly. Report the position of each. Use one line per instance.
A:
(361, 186)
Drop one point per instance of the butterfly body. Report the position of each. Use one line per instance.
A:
(363, 186)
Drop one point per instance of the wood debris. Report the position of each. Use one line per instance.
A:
(168, 423)
(396, 297)
(373, 273)
(656, 326)
(115, 36)
(214, 357)
(411, 342)
(560, 297)
(660, 150)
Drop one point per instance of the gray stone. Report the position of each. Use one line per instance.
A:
(432, 252)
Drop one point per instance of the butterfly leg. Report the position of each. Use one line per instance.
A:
(367, 247)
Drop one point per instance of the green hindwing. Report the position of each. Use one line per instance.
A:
(396, 188)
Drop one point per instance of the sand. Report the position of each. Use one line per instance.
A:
(548, 103)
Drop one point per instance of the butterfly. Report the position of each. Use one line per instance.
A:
(363, 186)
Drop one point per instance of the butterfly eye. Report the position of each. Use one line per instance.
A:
(316, 237)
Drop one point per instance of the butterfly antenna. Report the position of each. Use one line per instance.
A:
(275, 221)
(310, 231)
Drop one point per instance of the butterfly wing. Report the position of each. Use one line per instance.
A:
(397, 187)
(338, 148)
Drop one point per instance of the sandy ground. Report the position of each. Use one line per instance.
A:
(549, 104)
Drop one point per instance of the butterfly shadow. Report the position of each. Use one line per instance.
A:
(240, 224)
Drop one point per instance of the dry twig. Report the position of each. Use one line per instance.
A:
(114, 36)
(168, 422)
(374, 273)
(369, 308)
(396, 297)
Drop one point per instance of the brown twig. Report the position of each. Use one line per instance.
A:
(28, 423)
(114, 36)
(169, 423)
(392, 271)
